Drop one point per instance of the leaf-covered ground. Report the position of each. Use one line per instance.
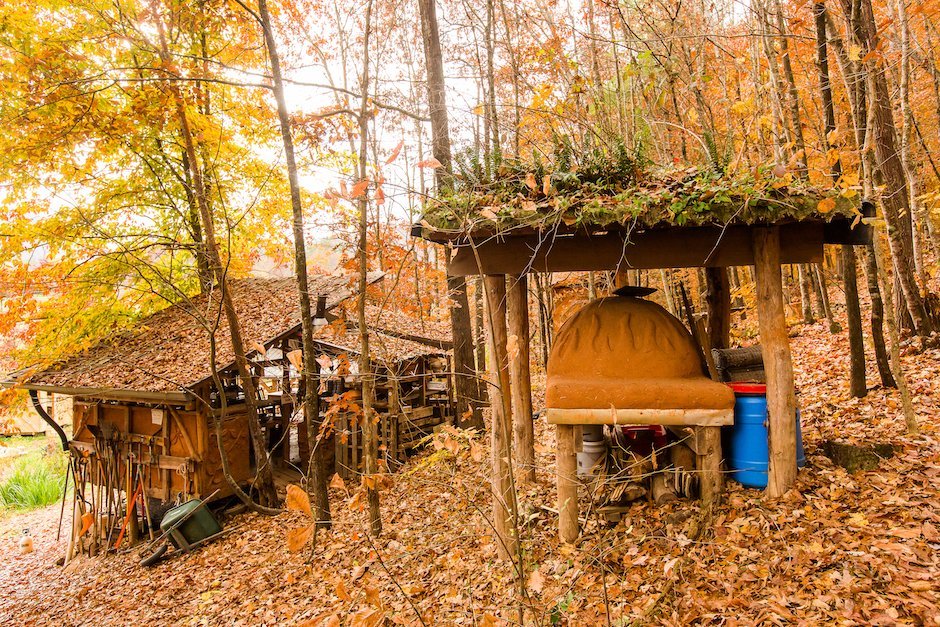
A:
(844, 549)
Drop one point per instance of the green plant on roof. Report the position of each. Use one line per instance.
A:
(605, 186)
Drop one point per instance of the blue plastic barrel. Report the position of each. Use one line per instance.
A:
(746, 447)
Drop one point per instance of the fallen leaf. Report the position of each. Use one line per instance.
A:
(536, 581)
(298, 500)
(298, 538)
(337, 482)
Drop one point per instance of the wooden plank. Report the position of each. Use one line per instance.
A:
(178, 424)
(685, 247)
(566, 468)
(775, 346)
(417, 413)
(691, 417)
(523, 429)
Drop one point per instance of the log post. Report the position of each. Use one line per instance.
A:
(521, 381)
(394, 415)
(781, 402)
(566, 467)
(709, 465)
(504, 502)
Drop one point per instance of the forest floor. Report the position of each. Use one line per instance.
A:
(842, 548)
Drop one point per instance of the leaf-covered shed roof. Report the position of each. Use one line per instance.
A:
(169, 352)
(521, 200)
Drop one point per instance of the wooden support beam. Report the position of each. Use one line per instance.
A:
(688, 417)
(709, 464)
(781, 402)
(521, 380)
(681, 247)
(504, 502)
(566, 468)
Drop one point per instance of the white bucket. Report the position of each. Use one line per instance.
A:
(592, 433)
(591, 453)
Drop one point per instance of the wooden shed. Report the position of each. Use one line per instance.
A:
(146, 407)
(536, 222)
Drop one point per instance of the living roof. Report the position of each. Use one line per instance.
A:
(523, 200)
(168, 353)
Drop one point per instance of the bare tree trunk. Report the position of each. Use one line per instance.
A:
(718, 301)
(858, 101)
(793, 95)
(894, 197)
(877, 321)
(805, 289)
(907, 405)
(468, 393)
(265, 477)
(907, 122)
(369, 419)
(822, 292)
(316, 471)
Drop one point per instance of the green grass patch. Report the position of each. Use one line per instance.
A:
(34, 480)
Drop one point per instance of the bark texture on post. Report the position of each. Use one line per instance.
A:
(504, 502)
(522, 428)
(709, 465)
(781, 402)
(566, 467)
(858, 387)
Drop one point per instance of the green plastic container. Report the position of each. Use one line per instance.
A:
(200, 525)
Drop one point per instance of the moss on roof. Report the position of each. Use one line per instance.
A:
(521, 197)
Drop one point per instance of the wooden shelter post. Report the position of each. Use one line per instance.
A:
(521, 380)
(566, 482)
(781, 401)
(504, 502)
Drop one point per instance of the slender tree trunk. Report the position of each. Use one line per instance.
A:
(203, 271)
(468, 393)
(907, 405)
(894, 196)
(857, 384)
(316, 470)
(521, 380)
(491, 84)
(265, 477)
(793, 96)
(877, 321)
(369, 418)
(822, 292)
(907, 122)
(805, 289)
(718, 301)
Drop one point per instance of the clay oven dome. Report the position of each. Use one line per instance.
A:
(626, 353)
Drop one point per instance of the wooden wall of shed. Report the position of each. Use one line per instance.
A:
(175, 461)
